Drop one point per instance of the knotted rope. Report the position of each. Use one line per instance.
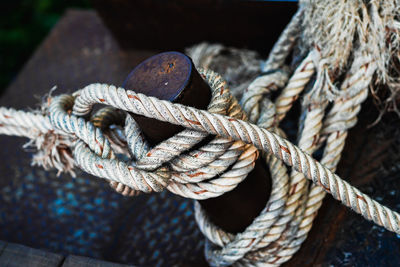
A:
(338, 54)
(93, 153)
(193, 174)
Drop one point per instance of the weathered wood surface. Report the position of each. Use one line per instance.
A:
(83, 215)
(81, 50)
(79, 261)
(2, 246)
(14, 255)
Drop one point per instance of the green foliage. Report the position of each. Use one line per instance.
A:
(23, 25)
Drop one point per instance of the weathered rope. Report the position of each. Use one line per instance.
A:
(228, 127)
(341, 49)
(330, 47)
(198, 174)
(102, 164)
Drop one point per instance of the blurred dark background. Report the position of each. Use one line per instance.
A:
(23, 25)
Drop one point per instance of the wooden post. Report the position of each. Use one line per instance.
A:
(172, 76)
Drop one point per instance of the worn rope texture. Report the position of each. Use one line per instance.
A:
(328, 63)
(260, 234)
(205, 172)
(239, 67)
(99, 162)
(236, 129)
(337, 39)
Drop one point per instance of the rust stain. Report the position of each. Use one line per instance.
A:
(198, 154)
(100, 145)
(130, 96)
(362, 198)
(99, 166)
(196, 174)
(305, 66)
(277, 258)
(315, 140)
(293, 190)
(232, 120)
(130, 168)
(1, 125)
(168, 68)
(137, 98)
(285, 149)
(222, 90)
(252, 241)
(193, 122)
(7, 117)
(148, 154)
(102, 100)
(326, 188)
(200, 192)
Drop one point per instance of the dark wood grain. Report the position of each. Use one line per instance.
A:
(362, 163)
(78, 261)
(15, 255)
(2, 246)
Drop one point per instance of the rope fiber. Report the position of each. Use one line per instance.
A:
(338, 58)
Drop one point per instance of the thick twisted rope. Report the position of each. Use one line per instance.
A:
(317, 130)
(198, 120)
(304, 206)
(208, 171)
(330, 36)
(234, 152)
(236, 129)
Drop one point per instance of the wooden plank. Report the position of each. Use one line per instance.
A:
(2, 246)
(79, 261)
(18, 255)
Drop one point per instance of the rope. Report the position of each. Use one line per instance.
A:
(93, 153)
(338, 55)
(227, 127)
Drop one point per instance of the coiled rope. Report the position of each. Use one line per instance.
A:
(66, 138)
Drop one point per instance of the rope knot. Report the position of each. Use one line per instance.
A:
(111, 145)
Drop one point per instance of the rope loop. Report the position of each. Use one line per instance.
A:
(209, 171)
